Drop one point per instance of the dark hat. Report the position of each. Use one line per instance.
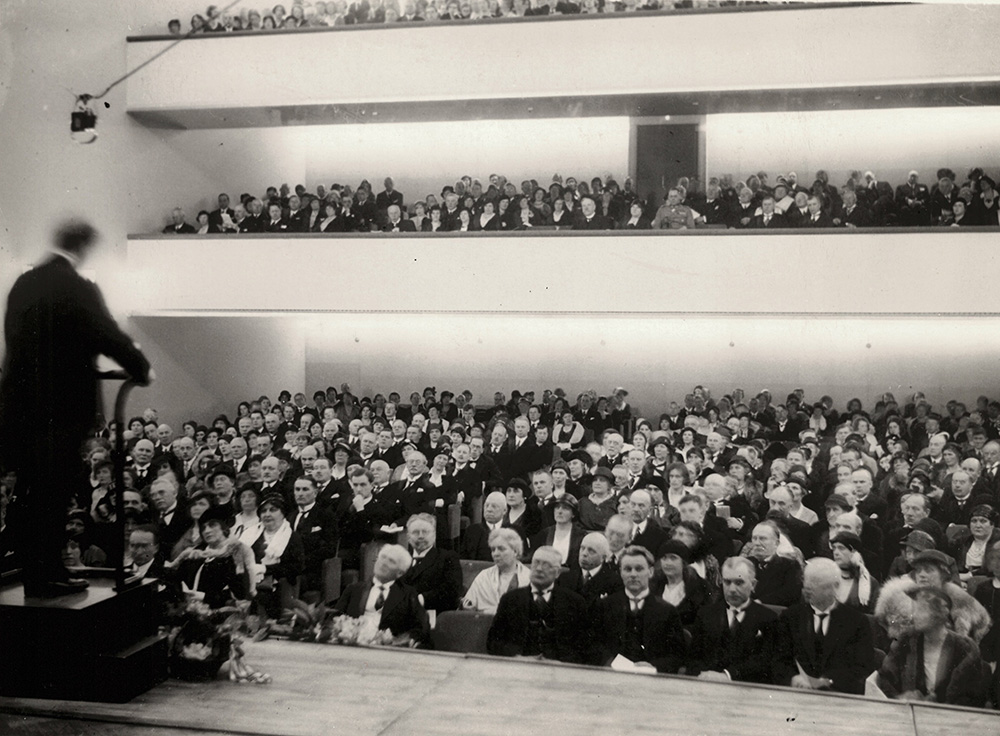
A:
(221, 469)
(739, 460)
(199, 496)
(605, 473)
(560, 465)
(582, 455)
(519, 483)
(835, 500)
(222, 514)
(919, 540)
(660, 441)
(341, 447)
(800, 479)
(723, 432)
(657, 482)
(274, 500)
(849, 539)
(934, 557)
(568, 501)
(673, 547)
(985, 511)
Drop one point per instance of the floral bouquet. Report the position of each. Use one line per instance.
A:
(201, 639)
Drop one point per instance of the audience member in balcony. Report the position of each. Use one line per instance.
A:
(769, 218)
(913, 201)
(560, 217)
(960, 217)
(179, 225)
(197, 24)
(205, 227)
(817, 217)
(276, 223)
(505, 548)
(389, 196)
(525, 217)
(410, 14)
(588, 217)
(174, 27)
(636, 219)
(487, 219)
(945, 195)
(985, 204)
(853, 214)
(394, 222)
(741, 215)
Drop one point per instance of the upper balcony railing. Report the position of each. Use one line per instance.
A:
(890, 271)
(828, 57)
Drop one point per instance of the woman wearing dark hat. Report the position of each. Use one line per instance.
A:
(565, 535)
(278, 553)
(341, 455)
(208, 571)
(521, 516)
(601, 504)
(970, 553)
(660, 457)
(858, 589)
(932, 663)
(985, 204)
(197, 504)
(677, 583)
(700, 557)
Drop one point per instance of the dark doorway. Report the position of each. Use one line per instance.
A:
(664, 153)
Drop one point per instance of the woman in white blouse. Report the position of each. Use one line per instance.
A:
(507, 573)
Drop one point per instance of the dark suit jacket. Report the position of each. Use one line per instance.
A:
(523, 459)
(501, 459)
(824, 221)
(319, 533)
(604, 583)
(563, 639)
(779, 582)
(846, 654)
(652, 537)
(662, 634)
(384, 199)
(55, 326)
(777, 222)
(170, 533)
(475, 543)
(597, 222)
(401, 613)
(745, 653)
(859, 217)
(438, 578)
(405, 226)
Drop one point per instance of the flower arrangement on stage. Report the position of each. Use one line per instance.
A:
(201, 639)
(316, 623)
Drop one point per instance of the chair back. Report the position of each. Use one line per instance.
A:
(461, 631)
(470, 569)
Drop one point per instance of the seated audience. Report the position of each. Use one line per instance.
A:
(278, 553)
(395, 604)
(435, 573)
(932, 663)
(543, 620)
(507, 573)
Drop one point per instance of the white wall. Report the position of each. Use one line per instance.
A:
(207, 365)
(889, 142)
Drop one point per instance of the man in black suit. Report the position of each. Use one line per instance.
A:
(332, 494)
(365, 516)
(786, 428)
(297, 215)
(769, 219)
(853, 214)
(913, 201)
(799, 533)
(499, 452)
(476, 540)
(524, 458)
(543, 620)
(817, 217)
(821, 645)
(436, 574)
(397, 603)
(595, 578)
(218, 217)
(172, 520)
(388, 198)
(178, 224)
(957, 503)
(645, 532)
(484, 465)
(55, 327)
(732, 638)
(589, 218)
(635, 624)
(275, 222)
(394, 222)
(317, 527)
(779, 579)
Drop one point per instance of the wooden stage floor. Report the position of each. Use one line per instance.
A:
(322, 689)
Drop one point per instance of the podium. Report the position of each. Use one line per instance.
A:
(97, 645)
